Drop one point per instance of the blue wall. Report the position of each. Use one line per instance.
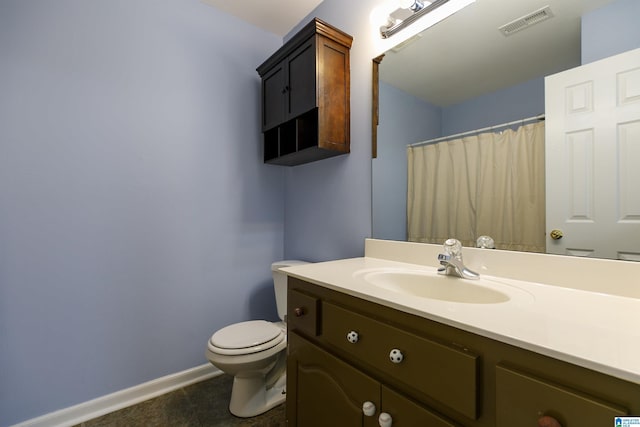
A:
(136, 215)
(610, 30)
(513, 103)
(328, 203)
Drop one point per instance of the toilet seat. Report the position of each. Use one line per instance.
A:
(246, 337)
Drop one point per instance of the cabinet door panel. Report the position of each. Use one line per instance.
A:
(301, 91)
(521, 399)
(273, 97)
(329, 392)
(406, 413)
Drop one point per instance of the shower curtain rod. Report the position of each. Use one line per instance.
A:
(444, 138)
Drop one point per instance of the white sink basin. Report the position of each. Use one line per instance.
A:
(431, 285)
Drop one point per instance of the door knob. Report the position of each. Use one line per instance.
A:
(556, 234)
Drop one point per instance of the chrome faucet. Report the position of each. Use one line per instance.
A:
(451, 261)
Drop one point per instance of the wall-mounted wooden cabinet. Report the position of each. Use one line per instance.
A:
(341, 362)
(305, 97)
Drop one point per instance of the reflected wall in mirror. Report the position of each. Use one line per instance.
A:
(464, 74)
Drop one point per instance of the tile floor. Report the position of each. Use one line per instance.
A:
(199, 405)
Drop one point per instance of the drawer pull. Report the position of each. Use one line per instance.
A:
(548, 421)
(385, 420)
(396, 356)
(369, 409)
(298, 311)
(353, 337)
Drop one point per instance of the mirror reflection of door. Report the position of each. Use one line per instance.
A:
(593, 158)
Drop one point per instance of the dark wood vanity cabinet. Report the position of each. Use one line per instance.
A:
(330, 392)
(305, 97)
(340, 358)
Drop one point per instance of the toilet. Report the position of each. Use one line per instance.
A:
(254, 352)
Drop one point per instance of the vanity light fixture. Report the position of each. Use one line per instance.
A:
(413, 5)
(411, 11)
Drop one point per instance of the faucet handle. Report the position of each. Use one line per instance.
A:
(485, 242)
(453, 248)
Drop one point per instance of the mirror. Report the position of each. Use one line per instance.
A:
(463, 74)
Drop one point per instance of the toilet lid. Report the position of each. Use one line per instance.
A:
(246, 334)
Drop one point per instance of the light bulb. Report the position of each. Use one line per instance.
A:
(414, 5)
(379, 15)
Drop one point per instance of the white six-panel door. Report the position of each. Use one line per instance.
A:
(592, 147)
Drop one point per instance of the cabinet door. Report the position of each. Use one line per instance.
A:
(406, 413)
(325, 390)
(301, 80)
(333, 95)
(273, 97)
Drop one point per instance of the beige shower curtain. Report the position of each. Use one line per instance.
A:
(486, 184)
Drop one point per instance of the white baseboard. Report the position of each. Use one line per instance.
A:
(121, 399)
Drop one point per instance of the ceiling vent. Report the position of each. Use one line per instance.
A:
(397, 48)
(526, 21)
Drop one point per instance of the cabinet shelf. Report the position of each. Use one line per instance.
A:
(295, 142)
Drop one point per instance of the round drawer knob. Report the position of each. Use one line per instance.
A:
(353, 337)
(548, 421)
(385, 420)
(396, 356)
(369, 409)
(298, 311)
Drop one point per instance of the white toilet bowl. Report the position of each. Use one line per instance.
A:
(257, 363)
(254, 352)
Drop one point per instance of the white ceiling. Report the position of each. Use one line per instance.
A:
(466, 56)
(275, 16)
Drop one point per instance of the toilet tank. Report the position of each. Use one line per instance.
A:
(280, 284)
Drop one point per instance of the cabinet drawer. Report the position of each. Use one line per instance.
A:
(303, 312)
(521, 399)
(443, 373)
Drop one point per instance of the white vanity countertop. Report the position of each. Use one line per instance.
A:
(595, 330)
